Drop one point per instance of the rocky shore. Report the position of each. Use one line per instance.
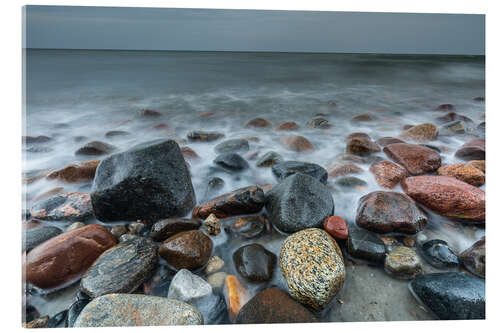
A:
(144, 243)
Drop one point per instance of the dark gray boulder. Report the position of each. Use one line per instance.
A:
(299, 202)
(282, 170)
(231, 162)
(36, 236)
(451, 295)
(149, 181)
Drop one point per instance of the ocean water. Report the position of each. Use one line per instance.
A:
(77, 96)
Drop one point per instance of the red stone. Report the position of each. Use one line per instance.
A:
(64, 258)
(189, 154)
(258, 122)
(388, 174)
(287, 126)
(416, 159)
(447, 196)
(336, 226)
(296, 143)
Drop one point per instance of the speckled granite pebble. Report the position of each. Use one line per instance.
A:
(312, 264)
(137, 310)
(402, 262)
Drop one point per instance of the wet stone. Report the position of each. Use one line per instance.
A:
(453, 116)
(342, 169)
(269, 159)
(403, 263)
(388, 174)
(296, 143)
(236, 295)
(70, 206)
(214, 264)
(137, 310)
(447, 196)
(258, 123)
(232, 146)
(112, 134)
(75, 225)
(284, 169)
(287, 126)
(421, 133)
(95, 148)
(474, 258)
(57, 319)
(438, 253)
(37, 323)
(365, 246)
(445, 107)
(451, 296)
(216, 280)
(351, 182)
(165, 228)
(318, 122)
(212, 224)
(465, 172)
(299, 202)
(472, 150)
(74, 311)
(128, 236)
(203, 136)
(149, 113)
(84, 171)
(249, 226)
(149, 181)
(361, 146)
(384, 212)
(387, 140)
(121, 269)
(254, 263)
(36, 236)
(35, 139)
(313, 267)
(214, 185)
(231, 162)
(64, 258)
(187, 249)
(415, 158)
(188, 287)
(246, 200)
(453, 128)
(118, 230)
(336, 226)
(273, 306)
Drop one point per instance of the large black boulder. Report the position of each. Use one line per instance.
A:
(149, 181)
(282, 170)
(451, 295)
(299, 202)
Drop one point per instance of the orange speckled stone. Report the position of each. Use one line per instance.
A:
(421, 133)
(465, 172)
(237, 296)
(447, 196)
(64, 258)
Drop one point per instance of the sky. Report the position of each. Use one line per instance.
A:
(72, 27)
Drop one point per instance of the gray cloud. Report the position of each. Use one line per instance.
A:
(252, 30)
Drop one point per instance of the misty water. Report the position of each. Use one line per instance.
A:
(76, 97)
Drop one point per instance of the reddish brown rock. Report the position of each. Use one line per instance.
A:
(273, 306)
(287, 126)
(361, 146)
(187, 249)
(189, 154)
(362, 117)
(342, 169)
(384, 211)
(237, 296)
(70, 206)
(445, 107)
(385, 141)
(475, 149)
(73, 173)
(415, 158)
(166, 228)
(358, 135)
(481, 165)
(453, 116)
(421, 133)
(258, 122)
(336, 226)
(65, 257)
(464, 172)
(388, 174)
(246, 200)
(95, 148)
(296, 143)
(447, 196)
(474, 258)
